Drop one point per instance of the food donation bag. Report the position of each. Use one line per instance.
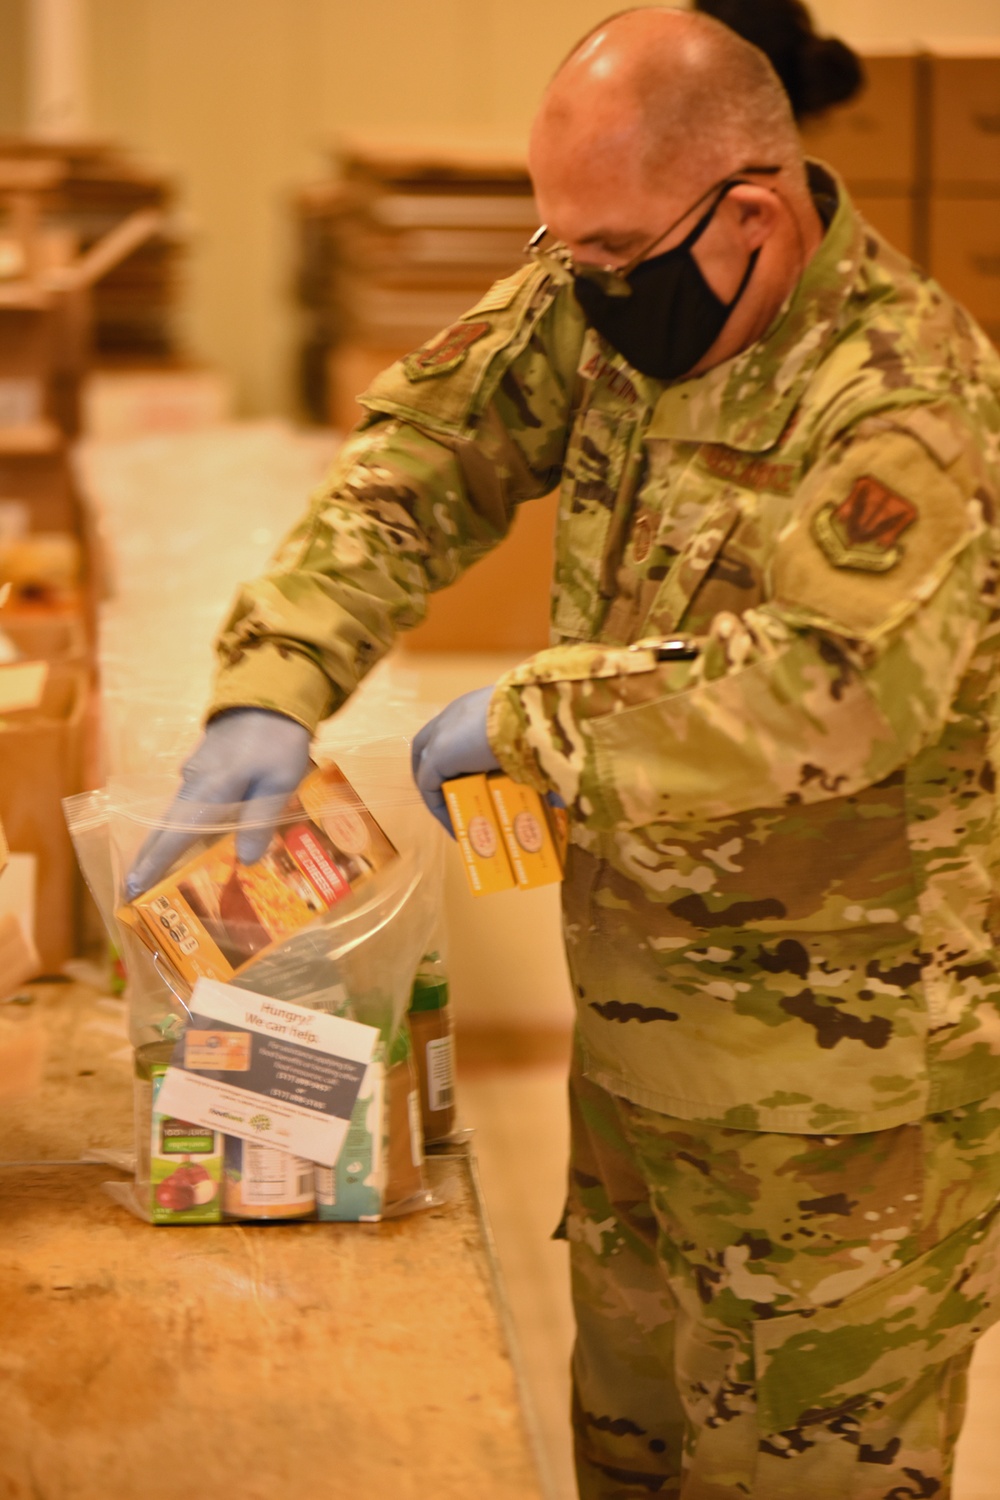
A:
(273, 1062)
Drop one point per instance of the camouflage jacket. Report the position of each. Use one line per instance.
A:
(780, 896)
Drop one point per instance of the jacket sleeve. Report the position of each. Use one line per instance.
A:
(880, 595)
(456, 436)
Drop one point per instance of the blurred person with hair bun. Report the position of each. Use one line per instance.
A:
(817, 71)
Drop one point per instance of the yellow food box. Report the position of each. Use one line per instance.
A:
(478, 836)
(214, 916)
(527, 833)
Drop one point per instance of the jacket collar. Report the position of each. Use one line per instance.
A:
(746, 402)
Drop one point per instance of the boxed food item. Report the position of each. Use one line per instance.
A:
(181, 1162)
(214, 916)
(382, 1157)
(473, 819)
(509, 837)
(527, 836)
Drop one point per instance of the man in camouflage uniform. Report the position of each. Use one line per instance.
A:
(768, 709)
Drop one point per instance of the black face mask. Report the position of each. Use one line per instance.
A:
(672, 317)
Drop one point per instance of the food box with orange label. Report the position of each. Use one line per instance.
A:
(524, 827)
(508, 836)
(214, 916)
(473, 820)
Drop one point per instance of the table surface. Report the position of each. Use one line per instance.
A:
(306, 1360)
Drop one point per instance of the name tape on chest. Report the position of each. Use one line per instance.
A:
(600, 369)
(749, 472)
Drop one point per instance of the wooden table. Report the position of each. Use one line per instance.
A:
(306, 1362)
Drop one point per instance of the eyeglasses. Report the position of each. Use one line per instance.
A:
(555, 257)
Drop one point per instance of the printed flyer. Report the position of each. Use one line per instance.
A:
(267, 1070)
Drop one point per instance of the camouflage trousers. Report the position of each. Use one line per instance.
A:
(776, 1316)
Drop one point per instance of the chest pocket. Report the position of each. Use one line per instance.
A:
(689, 569)
(596, 488)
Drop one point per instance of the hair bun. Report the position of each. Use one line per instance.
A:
(816, 71)
(829, 73)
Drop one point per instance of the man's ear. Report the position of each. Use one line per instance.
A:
(755, 213)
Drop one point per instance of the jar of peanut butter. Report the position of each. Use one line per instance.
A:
(261, 1182)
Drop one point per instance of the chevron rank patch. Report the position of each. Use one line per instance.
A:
(863, 531)
(445, 351)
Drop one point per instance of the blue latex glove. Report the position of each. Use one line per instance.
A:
(245, 753)
(453, 744)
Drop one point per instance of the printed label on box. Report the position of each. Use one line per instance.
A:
(214, 916)
(477, 835)
(185, 1165)
(526, 832)
(301, 1080)
(354, 1187)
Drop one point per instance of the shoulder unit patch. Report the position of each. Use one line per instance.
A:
(445, 351)
(863, 531)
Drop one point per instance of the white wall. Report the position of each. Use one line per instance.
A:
(864, 22)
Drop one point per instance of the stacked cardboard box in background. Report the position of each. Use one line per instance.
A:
(40, 550)
(126, 339)
(963, 176)
(919, 150)
(398, 244)
(872, 143)
(57, 244)
(135, 305)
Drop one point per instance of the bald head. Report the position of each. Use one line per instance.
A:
(679, 92)
(649, 113)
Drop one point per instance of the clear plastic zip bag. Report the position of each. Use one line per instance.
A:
(335, 918)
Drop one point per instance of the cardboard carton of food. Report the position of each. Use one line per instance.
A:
(477, 834)
(214, 916)
(526, 832)
(508, 836)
